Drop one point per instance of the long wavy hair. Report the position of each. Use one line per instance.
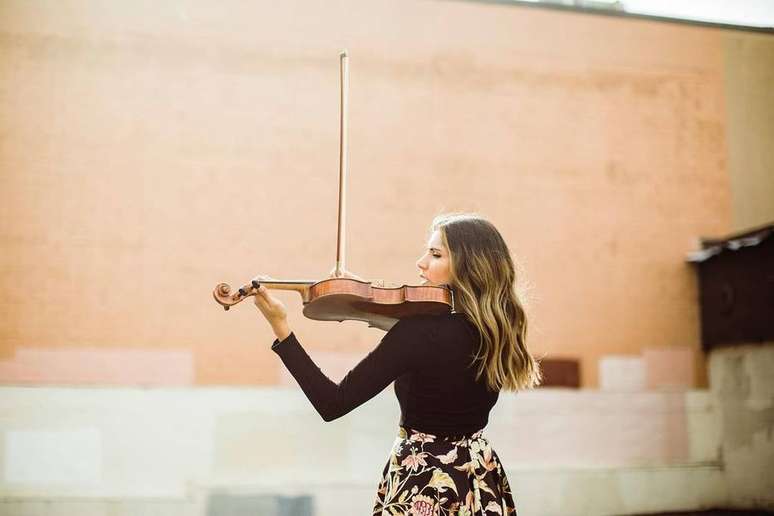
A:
(483, 280)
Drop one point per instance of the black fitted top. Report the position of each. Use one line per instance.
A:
(429, 358)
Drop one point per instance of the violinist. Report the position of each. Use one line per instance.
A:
(448, 370)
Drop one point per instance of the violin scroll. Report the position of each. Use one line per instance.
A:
(226, 299)
(223, 296)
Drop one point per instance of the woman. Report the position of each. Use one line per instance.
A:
(448, 371)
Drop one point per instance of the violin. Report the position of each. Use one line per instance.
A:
(339, 299)
(342, 296)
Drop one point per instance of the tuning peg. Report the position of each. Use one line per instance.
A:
(256, 284)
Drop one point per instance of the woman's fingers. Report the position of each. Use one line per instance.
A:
(261, 295)
(263, 304)
(256, 281)
(270, 306)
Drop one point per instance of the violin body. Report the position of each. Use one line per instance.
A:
(339, 299)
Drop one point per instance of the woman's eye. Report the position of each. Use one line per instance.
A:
(436, 256)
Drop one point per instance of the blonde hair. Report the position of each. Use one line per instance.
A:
(483, 280)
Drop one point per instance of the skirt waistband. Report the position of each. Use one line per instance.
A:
(411, 434)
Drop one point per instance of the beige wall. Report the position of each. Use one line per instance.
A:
(750, 123)
(150, 152)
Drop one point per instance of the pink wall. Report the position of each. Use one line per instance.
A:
(148, 154)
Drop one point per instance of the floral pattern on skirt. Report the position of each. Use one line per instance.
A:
(428, 475)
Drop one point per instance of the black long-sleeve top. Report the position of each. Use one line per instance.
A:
(427, 356)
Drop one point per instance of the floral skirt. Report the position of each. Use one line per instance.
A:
(428, 475)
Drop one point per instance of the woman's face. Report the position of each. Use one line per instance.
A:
(434, 264)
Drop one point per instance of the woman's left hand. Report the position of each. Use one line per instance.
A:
(272, 308)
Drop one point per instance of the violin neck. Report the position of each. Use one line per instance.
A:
(300, 286)
(343, 166)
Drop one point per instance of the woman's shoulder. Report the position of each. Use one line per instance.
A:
(432, 323)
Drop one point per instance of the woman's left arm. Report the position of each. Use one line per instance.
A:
(394, 356)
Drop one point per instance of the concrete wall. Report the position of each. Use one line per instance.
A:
(151, 151)
(166, 451)
(182, 451)
(743, 389)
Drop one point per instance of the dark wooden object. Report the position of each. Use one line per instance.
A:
(736, 288)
